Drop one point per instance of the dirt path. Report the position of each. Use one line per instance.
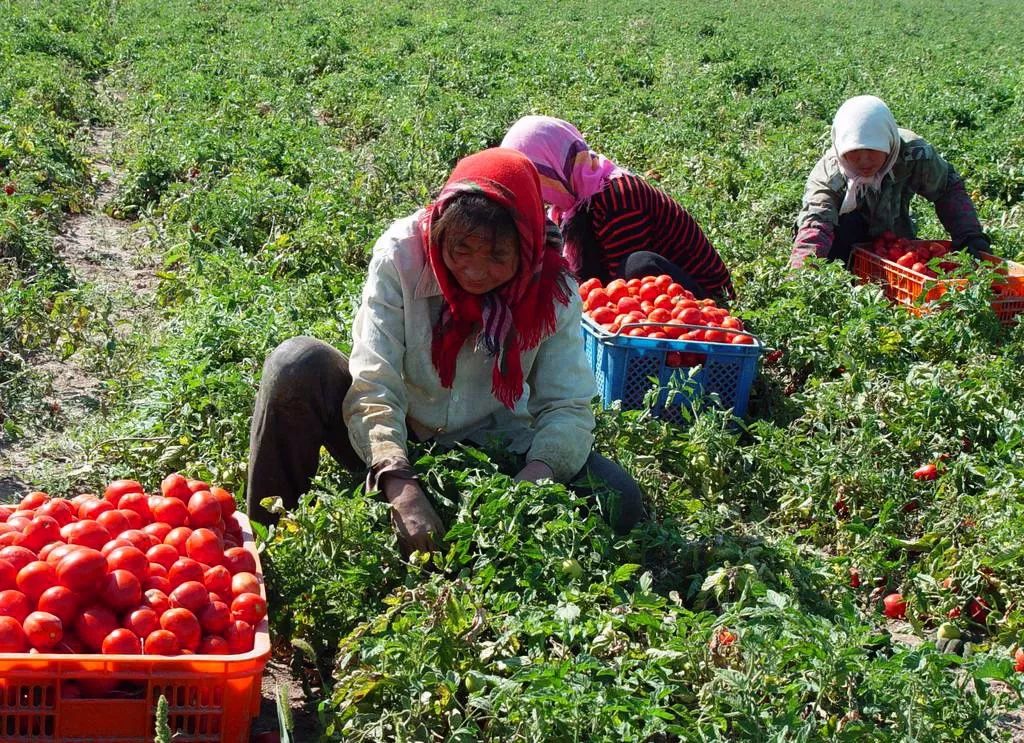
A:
(112, 264)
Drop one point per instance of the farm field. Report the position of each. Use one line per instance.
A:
(226, 168)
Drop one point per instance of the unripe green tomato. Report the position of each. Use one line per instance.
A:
(473, 682)
(571, 567)
(948, 631)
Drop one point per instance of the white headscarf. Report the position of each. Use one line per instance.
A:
(864, 122)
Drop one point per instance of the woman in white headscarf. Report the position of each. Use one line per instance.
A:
(862, 186)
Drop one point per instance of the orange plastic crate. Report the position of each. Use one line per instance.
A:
(210, 698)
(906, 286)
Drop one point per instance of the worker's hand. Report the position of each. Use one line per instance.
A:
(416, 523)
(975, 246)
(535, 471)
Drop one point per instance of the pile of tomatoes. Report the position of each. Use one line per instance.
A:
(914, 254)
(657, 299)
(128, 573)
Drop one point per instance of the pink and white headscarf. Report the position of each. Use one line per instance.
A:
(570, 172)
(864, 122)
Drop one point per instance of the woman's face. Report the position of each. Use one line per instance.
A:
(481, 261)
(866, 163)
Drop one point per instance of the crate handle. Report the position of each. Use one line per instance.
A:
(646, 323)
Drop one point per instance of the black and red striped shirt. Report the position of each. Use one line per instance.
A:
(629, 214)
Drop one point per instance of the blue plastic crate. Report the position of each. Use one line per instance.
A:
(624, 367)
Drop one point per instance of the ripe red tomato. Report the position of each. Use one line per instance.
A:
(239, 560)
(217, 579)
(121, 641)
(161, 642)
(244, 583)
(249, 607)
(241, 636)
(926, 472)
(82, 570)
(33, 500)
(177, 537)
(139, 504)
(196, 485)
(59, 509)
(113, 521)
(93, 625)
(92, 507)
(86, 532)
(35, 578)
(135, 519)
(130, 559)
(191, 595)
(214, 645)
(43, 630)
(118, 488)
(12, 636)
(162, 554)
(139, 539)
(143, 621)
(203, 545)
(175, 486)
(170, 511)
(185, 569)
(60, 601)
(184, 625)
(156, 570)
(1018, 660)
(8, 574)
(978, 609)
(158, 582)
(156, 600)
(158, 530)
(854, 578)
(9, 536)
(215, 617)
(121, 590)
(14, 604)
(81, 498)
(17, 555)
(895, 606)
(600, 315)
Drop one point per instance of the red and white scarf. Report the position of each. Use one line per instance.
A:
(518, 315)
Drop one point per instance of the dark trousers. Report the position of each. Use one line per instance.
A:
(851, 229)
(298, 411)
(645, 263)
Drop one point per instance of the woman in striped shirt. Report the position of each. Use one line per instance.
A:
(615, 224)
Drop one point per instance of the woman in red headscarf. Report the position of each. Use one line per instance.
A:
(468, 331)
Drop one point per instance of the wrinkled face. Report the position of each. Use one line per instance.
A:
(865, 163)
(481, 261)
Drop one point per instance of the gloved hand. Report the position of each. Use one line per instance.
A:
(975, 246)
(535, 471)
(416, 522)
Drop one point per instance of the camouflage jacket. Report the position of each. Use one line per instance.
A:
(919, 169)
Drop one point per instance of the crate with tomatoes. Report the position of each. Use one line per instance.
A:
(649, 328)
(124, 596)
(916, 273)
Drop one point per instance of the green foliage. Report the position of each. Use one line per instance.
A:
(270, 144)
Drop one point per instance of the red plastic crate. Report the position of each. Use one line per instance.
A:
(211, 698)
(906, 286)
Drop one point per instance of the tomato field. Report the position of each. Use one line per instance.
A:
(844, 563)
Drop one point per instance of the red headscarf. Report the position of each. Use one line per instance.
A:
(519, 314)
